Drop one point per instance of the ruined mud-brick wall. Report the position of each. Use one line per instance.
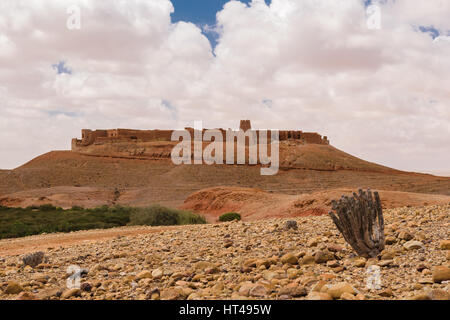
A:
(89, 137)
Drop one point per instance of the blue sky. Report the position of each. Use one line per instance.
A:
(203, 12)
(200, 12)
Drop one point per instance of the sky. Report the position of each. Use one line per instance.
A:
(202, 13)
(375, 82)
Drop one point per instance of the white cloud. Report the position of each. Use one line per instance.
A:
(379, 94)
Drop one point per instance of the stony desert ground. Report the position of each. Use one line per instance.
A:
(236, 260)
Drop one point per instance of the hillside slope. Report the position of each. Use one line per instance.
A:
(256, 204)
(58, 177)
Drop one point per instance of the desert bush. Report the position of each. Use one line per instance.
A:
(187, 217)
(154, 216)
(33, 259)
(46, 207)
(160, 216)
(230, 216)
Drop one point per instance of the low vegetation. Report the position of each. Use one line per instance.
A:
(230, 216)
(161, 216)
(21, 222)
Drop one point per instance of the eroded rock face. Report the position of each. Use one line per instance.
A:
(191, 262)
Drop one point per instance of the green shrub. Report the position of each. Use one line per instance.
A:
(46, 207)
(18, 222)
(160, 216)
(187, 217)
(230, 216)
(154, 216)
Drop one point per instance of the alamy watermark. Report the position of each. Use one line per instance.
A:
(213, 153)
(74, 19)
(74, 279)
(373, 279)
(373, 17)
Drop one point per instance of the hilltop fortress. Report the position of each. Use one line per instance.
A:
(102, 137)
(158, 145)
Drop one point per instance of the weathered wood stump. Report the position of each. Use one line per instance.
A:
(360, 220)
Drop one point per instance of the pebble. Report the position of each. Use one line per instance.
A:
(336, 290)
(75, 292)
(413, 245)
(289, 258)
(444, 245)
(319, 296)
(441, 273)
(264, 261)
(13, 287)
(157, 274)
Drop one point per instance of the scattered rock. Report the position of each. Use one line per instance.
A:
(385, 263)
(335, 247)
(390, 240)
(13, 287)
(144, 275)
(348, 296)
(258, 291)
(75, 292)
(203, 265)
(360, 262)
(245, 288)
(173, 294)
(323, 256)
(293, 290)
(421, 267)
(386, 293)
(157, 274)
(262, 262)
(289, 258)
(444, 245)
(336, 290)
(49, 294)
(404, 235)
(86, 286)
(307, 259)
(313, 295)
(26, 296)
(421, 296)
(441, 273)
(228, 244)
(413, 244)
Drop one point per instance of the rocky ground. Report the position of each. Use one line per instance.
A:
(246, 260)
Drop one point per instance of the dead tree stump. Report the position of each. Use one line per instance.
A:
(360, 220)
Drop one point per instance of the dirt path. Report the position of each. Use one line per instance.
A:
(43, 242)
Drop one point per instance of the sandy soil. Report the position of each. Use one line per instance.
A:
(55, 240)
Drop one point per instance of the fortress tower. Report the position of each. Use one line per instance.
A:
(245, 125)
